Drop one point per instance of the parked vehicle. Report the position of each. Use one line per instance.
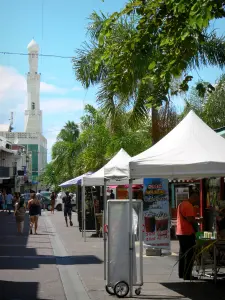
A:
(46, 200)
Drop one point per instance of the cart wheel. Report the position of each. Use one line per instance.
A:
(138, 291)
(121, 289)
(109, 289)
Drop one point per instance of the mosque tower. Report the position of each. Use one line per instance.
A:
(33, 114)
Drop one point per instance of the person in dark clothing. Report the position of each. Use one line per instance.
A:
(68, 208)
(34, 212)
(186, 228)
(53, 197)
(112, 195)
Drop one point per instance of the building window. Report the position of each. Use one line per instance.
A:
(32, 105)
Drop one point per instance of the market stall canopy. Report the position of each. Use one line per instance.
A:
(74, 181)
(191, 150)
(116, 171)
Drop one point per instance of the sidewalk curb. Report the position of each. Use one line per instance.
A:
(74, 287)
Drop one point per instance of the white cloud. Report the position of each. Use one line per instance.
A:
(51, 135)
(51, 88)
(77, 88)
(61, 105)
(12, 82)
(13, 90)
(57, 108)
(56, 105)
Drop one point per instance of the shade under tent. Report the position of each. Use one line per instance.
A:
(191, 150)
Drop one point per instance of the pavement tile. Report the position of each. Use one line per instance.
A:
(28, 267)
(160, 273)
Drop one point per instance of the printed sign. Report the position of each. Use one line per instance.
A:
(156, 213)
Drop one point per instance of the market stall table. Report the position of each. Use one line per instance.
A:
(210, 257)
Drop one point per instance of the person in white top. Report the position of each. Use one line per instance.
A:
(9, 201)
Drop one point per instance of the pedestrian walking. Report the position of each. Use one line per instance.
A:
(39, 198)
(53, 197)
(67, 208)
(15, 199)
(19, 213)
(4, 204)
(34, 211)
(9, 202)
(186, 228)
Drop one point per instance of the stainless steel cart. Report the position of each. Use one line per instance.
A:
(120, 264)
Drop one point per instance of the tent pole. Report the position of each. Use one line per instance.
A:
(104, 223)
(84, 211)
(131, 237)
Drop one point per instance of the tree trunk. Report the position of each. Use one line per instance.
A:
(155, 127)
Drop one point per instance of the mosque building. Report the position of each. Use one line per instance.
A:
(32, 139)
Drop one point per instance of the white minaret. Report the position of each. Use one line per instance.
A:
(33, 114)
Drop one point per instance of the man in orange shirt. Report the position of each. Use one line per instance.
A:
(186, 224)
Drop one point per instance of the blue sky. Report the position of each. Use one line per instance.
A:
(59, 27)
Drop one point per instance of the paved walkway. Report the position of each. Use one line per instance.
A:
(58, 264)
(35, 266)
(160, 273)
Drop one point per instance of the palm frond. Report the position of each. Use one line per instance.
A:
(211, 52)
(87, 65)
(95, 25)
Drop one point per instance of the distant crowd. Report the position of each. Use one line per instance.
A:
(14, 203)
(7, 200)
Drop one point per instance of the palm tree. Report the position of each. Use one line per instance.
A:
(66, 149)
(130, 92)
(69, 133)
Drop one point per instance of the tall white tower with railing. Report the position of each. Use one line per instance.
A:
(33, 114)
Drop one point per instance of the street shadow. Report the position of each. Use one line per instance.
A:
(34, 262)
(159, 297)
(13, 246)
(79, 260)
(18, 290)
(206, 290)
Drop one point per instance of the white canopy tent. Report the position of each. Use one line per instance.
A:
(75, 180)
(115, 172)
(191, 150)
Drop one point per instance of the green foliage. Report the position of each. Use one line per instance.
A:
(49, 178)
(135, 56)
(69, 133)
(64, 153)
(99, 141)
(208, 102)
(169, 39)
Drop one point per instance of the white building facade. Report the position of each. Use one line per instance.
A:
(11, 166)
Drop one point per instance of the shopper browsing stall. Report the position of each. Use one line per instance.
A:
(186, 228)
(68, 208)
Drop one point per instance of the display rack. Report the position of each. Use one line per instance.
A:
(119, 262)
